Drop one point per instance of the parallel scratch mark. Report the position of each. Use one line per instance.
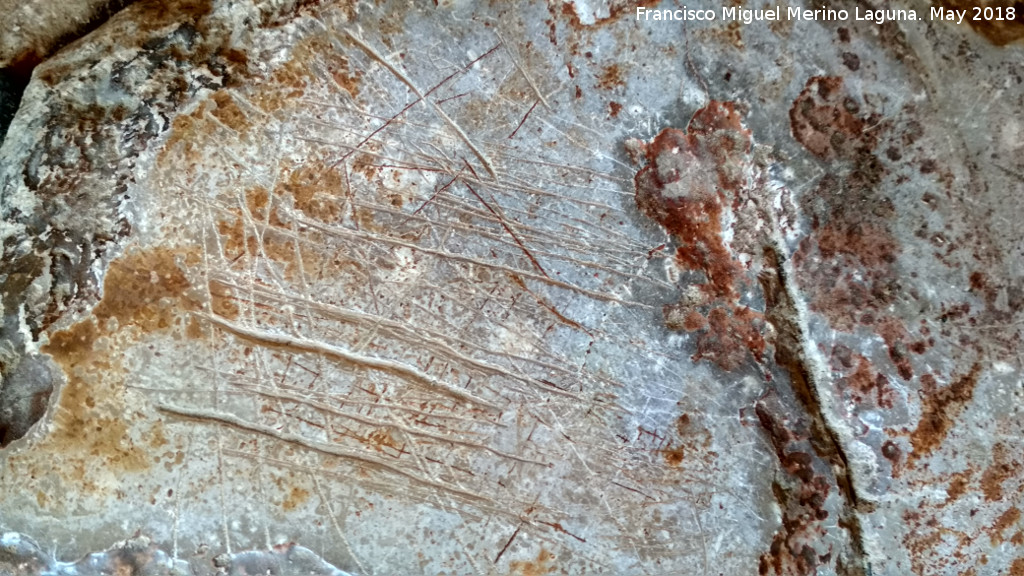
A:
(288, 437)
(602, 296)
(508, 229)
(393, 425)
(523, 121)
(507, 544)
(437, 109)
(439, 190)
(307, 345)
(544, 303)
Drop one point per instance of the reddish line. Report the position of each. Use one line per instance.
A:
(558, 526)
(452, 98)
(523, 121)
(507, 229)
(441, 189)
(507, 544)
(411, 104)
(658, 249)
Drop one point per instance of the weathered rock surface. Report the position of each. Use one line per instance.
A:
(517, 289)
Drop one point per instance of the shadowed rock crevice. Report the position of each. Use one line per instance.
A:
(34, 33)
(24, 395)
(13, 81)
(805, 486)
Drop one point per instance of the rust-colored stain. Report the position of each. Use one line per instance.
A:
(228, 112)
(292, 80)
(614, 108)
(276, 242)
(1017, 568)
(222, 301)
(257, 200)
(939, 409)
(314, 189)
(541, 565)
(1003, 468)
(295, 498)
(927, 536)
(730, 34)
(694, 440)
(897, 340)
(611, 77)
(692, 177)
(802, 496)
(186, 129)
(381, 438)
(674, 455)
(957, 487)
(144, 289)
(848, 264)
(998, 32)
(341, 71)
(825, 119)
(156, 14)
(733, 334)
(866, 386)
(94, 424)
(1006, 520)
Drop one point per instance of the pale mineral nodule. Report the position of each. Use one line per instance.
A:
(509, 288)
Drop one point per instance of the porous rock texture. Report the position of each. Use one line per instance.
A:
(512, 288)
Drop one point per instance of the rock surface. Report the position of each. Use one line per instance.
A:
(520, 289)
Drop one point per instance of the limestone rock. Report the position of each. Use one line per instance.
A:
(516, 288)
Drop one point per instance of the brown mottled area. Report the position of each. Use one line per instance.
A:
(848, 265)
(693, 440)
(957, 487)
(228, 112)
(837, 267)
(998, 32)
(276, 245)
(222, 300)
(543, 564)
(145, 290)
(896, 340)
(866, 386)
(290, 81)
(1002, 468)
(611, 77)
(939, 410)
(156, 14)
(314, 188)
(1006, 521)
(730, 34)
(732, 335)
(692, 178)
(924, 540)
(801, 494)
(95, 423)
(295, 498)
(1017, 568)
(826, 120)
